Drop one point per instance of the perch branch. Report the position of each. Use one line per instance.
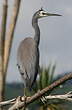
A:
(67, 96)
(8, 102)
(42, 92)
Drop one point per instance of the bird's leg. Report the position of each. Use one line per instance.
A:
(25, 92)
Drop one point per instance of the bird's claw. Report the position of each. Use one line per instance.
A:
(43, 100)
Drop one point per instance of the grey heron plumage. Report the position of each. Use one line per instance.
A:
(28, 52)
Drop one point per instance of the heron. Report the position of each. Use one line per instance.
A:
(28, 52)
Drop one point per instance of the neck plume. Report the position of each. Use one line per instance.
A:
(37, 31)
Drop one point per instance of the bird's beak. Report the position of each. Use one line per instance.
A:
(50, 14)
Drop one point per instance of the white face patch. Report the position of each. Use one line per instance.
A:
(42, 13)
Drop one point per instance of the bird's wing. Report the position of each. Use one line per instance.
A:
(28, 59)
(34, 66)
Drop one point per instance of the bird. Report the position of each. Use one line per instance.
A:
(28, 51)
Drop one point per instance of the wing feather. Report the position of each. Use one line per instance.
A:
(28, 60)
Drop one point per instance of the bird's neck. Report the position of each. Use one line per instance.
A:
(37, 31)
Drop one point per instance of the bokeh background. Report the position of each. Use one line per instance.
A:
(56, 34)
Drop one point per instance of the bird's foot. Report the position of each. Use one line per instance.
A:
(43, 100)
(23, 99)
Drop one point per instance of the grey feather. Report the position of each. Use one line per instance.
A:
(28, 59)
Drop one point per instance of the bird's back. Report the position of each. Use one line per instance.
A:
(28, 60)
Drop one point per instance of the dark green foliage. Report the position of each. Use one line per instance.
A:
(46, 77)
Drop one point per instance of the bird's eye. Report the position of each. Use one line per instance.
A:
(22, 74)
(43, 13)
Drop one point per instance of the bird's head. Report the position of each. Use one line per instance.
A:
(41, 13)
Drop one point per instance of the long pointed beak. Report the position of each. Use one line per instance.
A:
(50, 14)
